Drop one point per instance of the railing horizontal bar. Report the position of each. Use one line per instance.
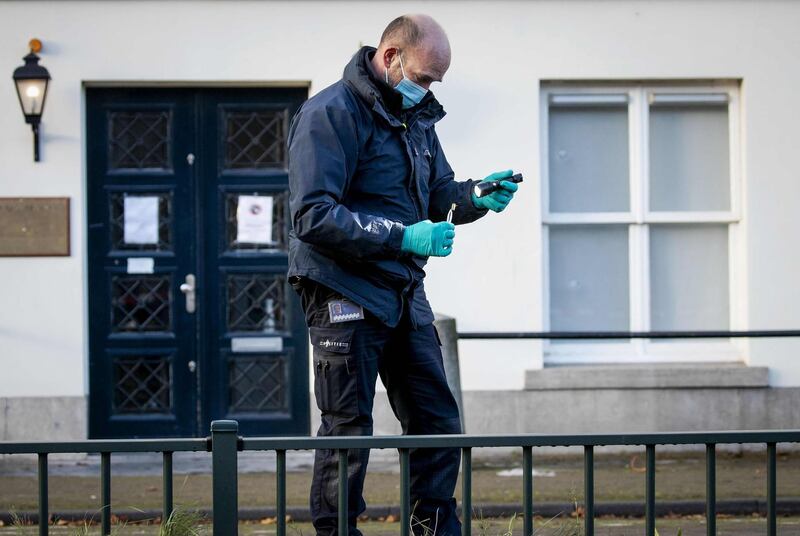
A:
(409, 441)
(628, 334)
(518, 440)
(93, 446)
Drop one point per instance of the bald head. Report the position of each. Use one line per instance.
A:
(421, 43)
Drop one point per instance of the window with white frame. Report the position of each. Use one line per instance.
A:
(641, 217)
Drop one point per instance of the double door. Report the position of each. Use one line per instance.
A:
(191, 318)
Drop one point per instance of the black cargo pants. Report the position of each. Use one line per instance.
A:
(348, 357)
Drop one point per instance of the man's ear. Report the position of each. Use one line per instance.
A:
(388, 56)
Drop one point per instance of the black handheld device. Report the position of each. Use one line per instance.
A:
(485, 188)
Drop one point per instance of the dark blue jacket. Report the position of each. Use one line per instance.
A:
(360, 171)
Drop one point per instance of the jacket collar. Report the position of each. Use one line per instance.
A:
(384, 100)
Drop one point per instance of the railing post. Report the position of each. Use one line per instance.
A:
(772, 525)
(711, 489)
(588, 490)
(44, 516)
(224, 452)
(105, 493)
(650, 477)
(527, 491)
(280, 491)
(466, 491)
(166, 485)
(405, 493)
(343, 495)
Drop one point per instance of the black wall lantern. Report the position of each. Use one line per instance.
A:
(31, 80)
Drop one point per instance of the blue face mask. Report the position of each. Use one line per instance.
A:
(411, 91)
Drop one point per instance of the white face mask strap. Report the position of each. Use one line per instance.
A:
(386, 69)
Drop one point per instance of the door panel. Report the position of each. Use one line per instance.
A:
(178, 182)
(257, 337)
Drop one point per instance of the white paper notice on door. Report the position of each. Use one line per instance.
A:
(141, 219)
(254, 219)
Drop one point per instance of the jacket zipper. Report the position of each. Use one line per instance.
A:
(414, 200)
(413, 182)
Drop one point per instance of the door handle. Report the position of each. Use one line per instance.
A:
(188, 289)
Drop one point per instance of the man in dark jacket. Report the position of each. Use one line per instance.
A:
(371, 194)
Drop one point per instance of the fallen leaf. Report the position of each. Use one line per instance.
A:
(632, 465)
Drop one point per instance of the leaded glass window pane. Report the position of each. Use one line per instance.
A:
(140, 303)
(588, 159)
(142, 384)
(258, 384)
(123, 229)
(689, 158)
(245, 232)
(256, 302)
(139, 140)
(255, 139)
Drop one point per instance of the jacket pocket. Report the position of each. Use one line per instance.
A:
(335, 371)
(436, 332)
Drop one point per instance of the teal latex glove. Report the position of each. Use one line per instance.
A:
(429, 239)
(499, 199)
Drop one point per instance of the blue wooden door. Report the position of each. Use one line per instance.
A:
(190, 315)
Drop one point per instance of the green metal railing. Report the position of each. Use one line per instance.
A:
(526, 442)
(105, 448)
(225, 444)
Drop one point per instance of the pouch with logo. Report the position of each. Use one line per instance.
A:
(335, 370)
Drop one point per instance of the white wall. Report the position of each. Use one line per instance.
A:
(501, 50)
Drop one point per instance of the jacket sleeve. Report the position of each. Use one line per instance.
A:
(444, 190)
(323, 153)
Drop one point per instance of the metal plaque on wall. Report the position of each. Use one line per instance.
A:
(34, 226)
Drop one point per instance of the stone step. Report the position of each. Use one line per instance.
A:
(648, 376)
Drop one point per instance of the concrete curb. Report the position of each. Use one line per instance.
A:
(735, 507)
